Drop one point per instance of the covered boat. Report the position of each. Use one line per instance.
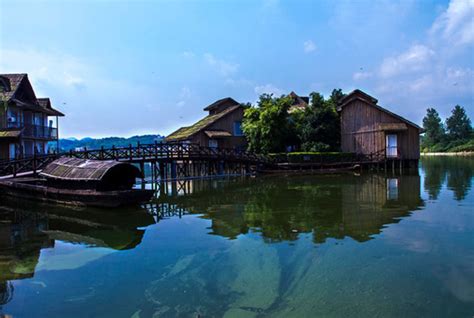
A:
(81, 182)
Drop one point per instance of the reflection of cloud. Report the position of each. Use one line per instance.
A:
(459, 278)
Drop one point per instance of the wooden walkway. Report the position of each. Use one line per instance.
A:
(166, 160)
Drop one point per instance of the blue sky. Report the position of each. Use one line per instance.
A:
(132, 67)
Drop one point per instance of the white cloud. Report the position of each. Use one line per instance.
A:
(456, 24)
(224, 68)
(359, 76)
(46, 67)
(414, 59)
(421, 83)
(309, 46)
(188, 54)
(268, 89)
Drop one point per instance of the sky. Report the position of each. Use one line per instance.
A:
(121, 68)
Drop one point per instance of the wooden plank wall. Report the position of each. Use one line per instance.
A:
(360, 134)
(225, 123)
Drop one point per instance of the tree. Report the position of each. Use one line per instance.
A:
(268, 127)
(458, 124)
(434, 130)
(320, 130)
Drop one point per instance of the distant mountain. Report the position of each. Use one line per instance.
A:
(96, 143)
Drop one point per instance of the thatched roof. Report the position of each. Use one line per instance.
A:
(85, 170)
(186, 132)
(13, 88)
(299, 102)
(217, 133)
(10, 84)
(46, 104)
(10, 133)
(228, 100)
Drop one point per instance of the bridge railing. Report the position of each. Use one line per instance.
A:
(140, 152)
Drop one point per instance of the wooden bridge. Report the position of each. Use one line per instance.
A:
(166, 161)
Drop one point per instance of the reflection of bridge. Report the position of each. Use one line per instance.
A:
(166, 160)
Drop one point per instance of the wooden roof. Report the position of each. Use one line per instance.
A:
(299, 102)
(13, 82)
(217, 133)
(227, 100)
(10, 133)
(46, 104)
(66, 168)
(186, 132)
(360, 95)
(13, 88)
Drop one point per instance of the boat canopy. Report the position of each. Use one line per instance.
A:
(97, 174)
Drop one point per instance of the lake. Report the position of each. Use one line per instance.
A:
(350, 245)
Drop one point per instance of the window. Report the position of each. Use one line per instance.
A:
(213, 143)
(391, 141)
(238, 128)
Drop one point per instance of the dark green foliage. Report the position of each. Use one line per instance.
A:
(434, 130)
(268, 127)
(459, 136)
(320, 130)
(458, 124)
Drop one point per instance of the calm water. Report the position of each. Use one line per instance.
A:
(303, 246)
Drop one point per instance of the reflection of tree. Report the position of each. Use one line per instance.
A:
(6, 292)
(326, 206)
(435, 175)
(457, 171)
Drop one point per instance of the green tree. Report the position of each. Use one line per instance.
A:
(434, 130)
(458, 124)
(268, 126)
(320, 130)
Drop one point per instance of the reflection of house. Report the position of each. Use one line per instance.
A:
(220, 129)
(21, 240)
(368, 129)
(25, 128)
(375, 200)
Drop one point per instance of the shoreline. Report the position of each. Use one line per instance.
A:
(460, 154)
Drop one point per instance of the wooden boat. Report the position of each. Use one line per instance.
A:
(80, 182)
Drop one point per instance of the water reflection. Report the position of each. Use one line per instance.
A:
(456, 172)
(26, 229)
(283, 208)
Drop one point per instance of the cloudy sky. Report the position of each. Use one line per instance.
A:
(132, 67)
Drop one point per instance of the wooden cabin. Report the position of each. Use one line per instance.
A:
(300, 103)
(222, 128)
(371, 130)
(26, 122)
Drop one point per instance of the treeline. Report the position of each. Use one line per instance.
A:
(97, 143)
(273, 126)
(453, 135)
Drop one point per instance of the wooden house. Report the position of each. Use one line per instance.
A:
(222, 128)
(371, 130)
(300, 103)
(26, 125)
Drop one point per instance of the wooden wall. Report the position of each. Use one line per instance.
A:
(360, 132)
(225, 123)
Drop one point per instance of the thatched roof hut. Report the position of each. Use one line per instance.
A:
(91, 174)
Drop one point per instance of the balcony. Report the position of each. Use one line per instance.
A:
(35, 131)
